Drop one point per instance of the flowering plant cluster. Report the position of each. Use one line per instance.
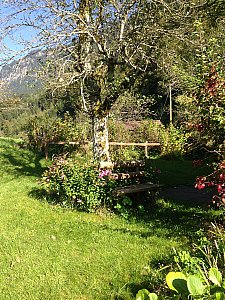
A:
(78, 184)
(216, 180)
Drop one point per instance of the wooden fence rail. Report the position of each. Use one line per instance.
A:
(146, 145)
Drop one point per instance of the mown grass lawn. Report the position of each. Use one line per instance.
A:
(48, 252)
(179, 172)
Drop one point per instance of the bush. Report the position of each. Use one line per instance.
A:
(135, 131)
(202, 111)
(149, 130)
(126, 153)
(77, 184)
(174, 143)
(42, 128)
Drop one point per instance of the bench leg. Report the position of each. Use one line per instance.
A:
(145, 199)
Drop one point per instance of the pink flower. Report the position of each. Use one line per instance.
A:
(104, 173)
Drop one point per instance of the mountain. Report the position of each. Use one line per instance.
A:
(20, 76)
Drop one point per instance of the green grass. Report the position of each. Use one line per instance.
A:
(178, 172)
(48, 252)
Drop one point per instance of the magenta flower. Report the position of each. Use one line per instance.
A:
(104, 173)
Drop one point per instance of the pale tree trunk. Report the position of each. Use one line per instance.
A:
(99, 121)
(100, 138)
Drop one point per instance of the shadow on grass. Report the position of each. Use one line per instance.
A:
(178, 172)
(17, 160)
(170, 220)
(166, 219)
(180, 221)
(176, 218)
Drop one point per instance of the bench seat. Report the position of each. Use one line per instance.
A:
(136, 188)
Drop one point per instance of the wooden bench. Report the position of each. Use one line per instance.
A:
(136, 188)
(135, 170)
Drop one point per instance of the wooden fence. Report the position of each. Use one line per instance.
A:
(146, 145)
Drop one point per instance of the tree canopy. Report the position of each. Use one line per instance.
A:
(102, 48)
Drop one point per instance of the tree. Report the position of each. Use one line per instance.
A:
(101, 46)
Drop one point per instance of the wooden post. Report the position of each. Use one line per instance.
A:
(146, 149)
(171, 107)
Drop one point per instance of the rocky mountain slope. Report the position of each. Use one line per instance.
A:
(20, 76)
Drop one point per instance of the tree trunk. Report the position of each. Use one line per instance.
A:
(100, 138)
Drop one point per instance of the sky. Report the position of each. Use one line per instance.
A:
(14, 42)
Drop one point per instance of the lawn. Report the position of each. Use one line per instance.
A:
(48, 252)
(179, 172)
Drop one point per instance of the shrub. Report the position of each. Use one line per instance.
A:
(149, 130)
(42, 128)
(202, 111)
(118, 131)
(127, 153)
(174, 143)
(77, 184)
(134, 131)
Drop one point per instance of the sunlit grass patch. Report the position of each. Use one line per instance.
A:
(47, 252)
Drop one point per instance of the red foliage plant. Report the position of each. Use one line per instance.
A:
(217, 180)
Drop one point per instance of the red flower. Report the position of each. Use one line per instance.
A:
(220, 188)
